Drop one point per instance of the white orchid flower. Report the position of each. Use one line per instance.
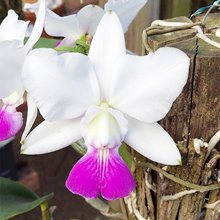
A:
(12, 56)
(106, 97)
(85, 22)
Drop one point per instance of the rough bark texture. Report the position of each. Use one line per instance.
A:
(5, 5)
(195, 114)
(174, 8)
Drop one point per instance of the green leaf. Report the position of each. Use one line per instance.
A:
(16, 199)
(44, 42)
(125, 154)
(76, 49)
(81, 46)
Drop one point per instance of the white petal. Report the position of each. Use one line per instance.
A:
(125, 9)
(145, 87)
(68, 41)
(38, 26)
(67, 26)
(51, 136)
(11, 60)
(89, 18)
(31, 117)
(153, 142)
(63, 86)
(217, 32)
(13, 29)
(107, 46)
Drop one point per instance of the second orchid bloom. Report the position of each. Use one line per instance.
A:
(106, 97)
(13, 52)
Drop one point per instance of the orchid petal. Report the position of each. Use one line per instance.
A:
(84, 176)
(145, 87)
(101, 171)
(13, 29)
(89, 18)
(12, 58)
(62, 86)
(125, 9)
(153, 142)
(31, 117)
(118, 181)
(10, 122)
(51, 136)
(38, 27)
(107, 46)
(67, 26)
(68, 41)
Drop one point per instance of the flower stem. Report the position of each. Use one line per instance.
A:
(46, 215)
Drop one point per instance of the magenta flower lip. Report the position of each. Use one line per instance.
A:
(101, 173)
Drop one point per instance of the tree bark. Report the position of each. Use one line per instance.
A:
(5, 5)
(195, 114)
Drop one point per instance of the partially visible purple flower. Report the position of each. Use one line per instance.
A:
(13, 52)
(10, 120)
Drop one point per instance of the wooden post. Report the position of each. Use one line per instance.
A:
(194, 115)
(174, 8)
(5, 5)
(148, 13)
